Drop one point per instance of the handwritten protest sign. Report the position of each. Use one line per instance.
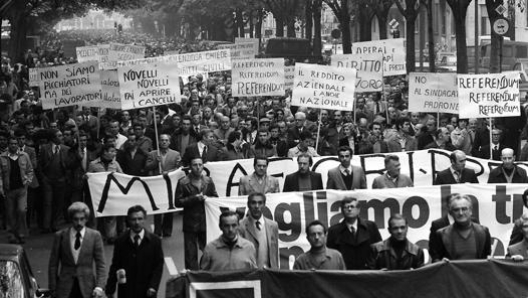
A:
(122, 52)
(148, 85)
(247, 40)
(111, 97)
(369, 66)
(289, 74)
(393, 51)
(258, 77)
(326, 87)
(489, 95)
(33, 77)
(433, 92)
(66, 85)
(97, 53)
(246, 50)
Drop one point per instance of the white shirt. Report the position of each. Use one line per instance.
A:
(73, 234)
(342, 169)
(354, 225)
(201, 147)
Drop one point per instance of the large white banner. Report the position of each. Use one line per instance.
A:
(433, 92)
(495, 206)
(323, 87)
(258, 77)
(369, 67)
(190, 63)
(67, 85)
(421, 166)
(489, 95)
(122, 52)
(393, 51)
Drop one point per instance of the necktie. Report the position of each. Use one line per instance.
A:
(496, 147)
(457, 174)
(56, 150)
(257, 223)
(77, 241)
(347, 172)
(136, 240)
(204, 154)
(353, 231)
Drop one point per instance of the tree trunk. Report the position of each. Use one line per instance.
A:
(290, 28)
(365, 24)
(494, 60)
(309, 19)
(460, 25)
(382, 24)
(279, 24)
(172, 25)
(317, 43)
(19, 26)
(409, 26)
(430, 36)
(240, 23)
(346, 38)
(258, 28)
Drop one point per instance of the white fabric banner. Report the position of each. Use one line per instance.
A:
(323, 87)
(421, 166)
(369, 67)
(433, 92)
(489, 95)
(495, 206)
(258, 77)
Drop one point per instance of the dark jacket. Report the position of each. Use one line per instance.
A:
(436, 225)
(444, 247)
(497, 175)
(355, 250)
(383, 256)
(193, 207)
(143, 265)
(291, 182)
(133, 166)
(213, 154)
(446, 177)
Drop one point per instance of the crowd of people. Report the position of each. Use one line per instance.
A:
(45, 157)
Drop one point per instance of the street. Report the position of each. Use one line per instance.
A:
(38, 247)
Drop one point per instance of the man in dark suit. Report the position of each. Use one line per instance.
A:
(76, 251)
(353, 236)
(184, 138)
(496, 146)
(205, 148)
(54, 162)
(138, 255)
(519, 251)
(261, 231)
(457, 172)
(161, 162)
(508, 172)
(303, 179)
(346, 176)
(462, 240)
(191, 192)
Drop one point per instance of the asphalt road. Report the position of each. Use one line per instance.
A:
(38, 247)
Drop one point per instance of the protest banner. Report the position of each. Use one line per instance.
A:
(110, 97)
(489, 95)
(148, 85)
(393, 51)
(420, 166)
(247, 50)
(67, 85)
(433, 92)
(323, 87)
(189, 63)
(369, 69)
(494, 206)
(122, 52)
(87, 53)
(33, 77)
(258, 77)
(289, 74)
(453, 279)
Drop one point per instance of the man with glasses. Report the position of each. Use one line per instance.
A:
(346, 176)
(353, 236)
(462, 240)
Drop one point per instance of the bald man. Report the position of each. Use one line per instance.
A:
(507, 172)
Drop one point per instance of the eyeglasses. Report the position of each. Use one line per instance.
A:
(350, 207)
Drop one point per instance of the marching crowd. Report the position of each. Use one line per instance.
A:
(45, 157)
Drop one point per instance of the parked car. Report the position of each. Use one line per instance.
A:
(16, 277)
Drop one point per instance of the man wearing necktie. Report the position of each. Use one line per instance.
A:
(496, 146)
(457, 172)
(139, 254)
(76, 251)
(346, 176)
(261, 231)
